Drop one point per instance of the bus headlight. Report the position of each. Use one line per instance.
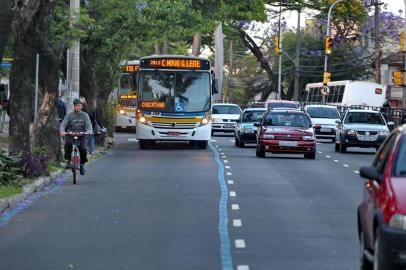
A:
(205, 120)
(142, 120)
(122, 111)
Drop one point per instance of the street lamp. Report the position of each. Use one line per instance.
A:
(328, 41)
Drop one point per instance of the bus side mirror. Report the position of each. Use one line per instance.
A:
(214, 87)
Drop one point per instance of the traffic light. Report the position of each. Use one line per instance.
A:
(326, 77)
(277, 45)
(398, 78)
(329, 45)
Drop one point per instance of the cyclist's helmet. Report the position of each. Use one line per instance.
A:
(77, 101)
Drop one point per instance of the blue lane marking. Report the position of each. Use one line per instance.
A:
(9, 214)
(226, 261)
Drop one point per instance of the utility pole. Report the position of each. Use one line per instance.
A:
(74, 58)
(404, 60)
(297, 59)
(279, 96)
(377, 43)
(219, 60)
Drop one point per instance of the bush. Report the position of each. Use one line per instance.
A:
(34, 164)
(10, 169)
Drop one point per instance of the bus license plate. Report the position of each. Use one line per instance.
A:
(173, 133)
(287, 143)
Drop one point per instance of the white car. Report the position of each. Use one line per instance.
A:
(224, 117)
(324, 120)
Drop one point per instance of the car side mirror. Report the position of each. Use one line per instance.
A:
(370, 173)
(214, 87)
(257, 124)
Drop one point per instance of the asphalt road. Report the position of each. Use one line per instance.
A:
(166, 207)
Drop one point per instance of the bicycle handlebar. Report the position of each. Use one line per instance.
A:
(77, 133)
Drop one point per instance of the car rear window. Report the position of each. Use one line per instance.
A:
(364, 118)
(252, 116)
(288, 119)
(323, 112)
(272, 106)
(400, 167)
(219, 109)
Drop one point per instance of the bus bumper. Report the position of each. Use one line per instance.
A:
(146, 132)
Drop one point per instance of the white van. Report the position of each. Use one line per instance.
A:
(348, 93)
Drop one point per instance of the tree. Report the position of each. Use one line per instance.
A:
(6, 18)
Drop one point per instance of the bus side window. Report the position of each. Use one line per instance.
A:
(341, 93)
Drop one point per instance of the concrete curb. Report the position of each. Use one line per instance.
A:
(37, 186)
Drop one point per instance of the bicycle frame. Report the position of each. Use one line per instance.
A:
(75, 157)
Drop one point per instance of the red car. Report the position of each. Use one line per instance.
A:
(286, 131)
(382, 214)
(281, 104)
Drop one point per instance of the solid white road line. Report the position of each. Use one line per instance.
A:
(243, 267)
(235, 207)
(233, 194)
(237, 223)
(230, 182)
(240, 243)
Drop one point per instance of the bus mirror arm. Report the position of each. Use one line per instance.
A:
(214, 89)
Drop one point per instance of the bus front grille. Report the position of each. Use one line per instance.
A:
(174, 125)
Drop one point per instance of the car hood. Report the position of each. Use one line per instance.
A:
(289, 130)
(248, 124)
(399, 192)
(324, 121)
(226, 116)
(366, 127)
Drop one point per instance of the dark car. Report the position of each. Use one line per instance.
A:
(286, 131)
(245, 131)
(382, 213)
(360, 128)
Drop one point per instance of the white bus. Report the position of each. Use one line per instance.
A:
(174, 100)
(127, 96)
(348, 93)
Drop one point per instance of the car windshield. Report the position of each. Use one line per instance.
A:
(252, 116)
(364, 118)
(323, 112)
(400, 167)
(175, 91)
(226, 109)
(288, 119)
(272, 106)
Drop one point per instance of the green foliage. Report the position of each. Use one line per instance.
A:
(10, 169)
(6, 191)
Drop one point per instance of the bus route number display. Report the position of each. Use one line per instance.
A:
(131, 68)
(174, 63)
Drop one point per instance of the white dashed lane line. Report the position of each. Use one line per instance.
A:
(225, 161)
(240, 243)
(227, 167)
(237, 223)
(230, 182)
(336, 160)
(235, 207)
(228, 173)
(346, 165)
(243, 267)
(357, 172)
(233, 194)
(328, 156)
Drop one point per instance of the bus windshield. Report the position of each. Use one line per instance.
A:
(180, 91)
(127, 84)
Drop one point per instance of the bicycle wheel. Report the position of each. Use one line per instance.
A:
(74, 171)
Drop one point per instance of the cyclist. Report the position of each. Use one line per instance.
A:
(76, 121)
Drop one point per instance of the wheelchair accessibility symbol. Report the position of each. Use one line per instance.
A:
(179, 107)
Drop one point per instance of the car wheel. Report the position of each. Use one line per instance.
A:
(364, 263)
(237, 141)
(212, 132)
(311, 155)
(343, 148)
(260, 151)
(142, 144)
(379, 263)
(202, 144)
(333, 140)
(337, 147)
(242, 144)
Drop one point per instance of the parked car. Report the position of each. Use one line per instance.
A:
(281, 104)
(324, 119)
(286, 131)
(382, 213)
(360, 128)
(245, 131)
(224, 117)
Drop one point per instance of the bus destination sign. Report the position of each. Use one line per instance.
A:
(176, 63)
(131, 68)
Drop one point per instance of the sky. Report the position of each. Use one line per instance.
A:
(392, 5)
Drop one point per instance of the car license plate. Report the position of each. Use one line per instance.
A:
(325, 129)
(173, 133)
(229, 126)
(367, 138)
(287, 143)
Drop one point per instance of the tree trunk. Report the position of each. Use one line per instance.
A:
(6, 18)
(157, 49)
(197, 43)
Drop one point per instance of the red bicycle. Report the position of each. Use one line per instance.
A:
(75, 157)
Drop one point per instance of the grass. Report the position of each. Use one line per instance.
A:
(6, 191)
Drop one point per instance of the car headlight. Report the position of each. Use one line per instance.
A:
(268, 136)
(216, 120)
(308, 138)
(247, 130)
(350, 132)
(383, 133)
(205, 120)
(398, 222)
